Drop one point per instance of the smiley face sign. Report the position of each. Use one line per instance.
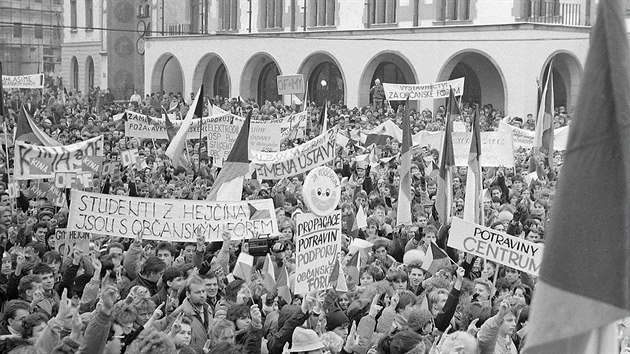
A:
(322, 191)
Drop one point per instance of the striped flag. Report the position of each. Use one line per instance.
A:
(323, 118)
(244, 267)
(338, 278)
(583, 285)
(353, 266)
(543, 138)
(170, 128)
(473, 203)
(361, 218)
(444, 196)
(27, 130)
(283, 285)
(177, 145)
(403, 214)
(229, 183)
(269, 276)
(1, 98)
(435, 259)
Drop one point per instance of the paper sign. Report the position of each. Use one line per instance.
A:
(499, 247)
(170, 219)
(322, 190)
(400, 92)
(65, 241)
(318, 243)
(290, 84)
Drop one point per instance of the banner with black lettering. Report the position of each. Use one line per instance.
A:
(146, 127)
(172, 220)
(65, 242)
(39, 162)
(318, 243)
(302, 158)
(400, 92)
(499, 247)
(34, 81)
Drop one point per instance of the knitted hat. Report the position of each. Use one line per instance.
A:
(336, 318)
(305, 340)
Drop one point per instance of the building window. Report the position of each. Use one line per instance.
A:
(381, 11)
(271, 13)
(74, 71)
(17, 29)
(221, 85)
(228, 10)
(89, 72)
(452, 10)
(73, 14)
(39, 31)
(89, 14)
(321, 13)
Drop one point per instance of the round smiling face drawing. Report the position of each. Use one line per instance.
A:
(322, 191)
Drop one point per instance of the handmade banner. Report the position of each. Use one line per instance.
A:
(264, 135)
(302, 158)
(145, 127)
(170, 220)
(63, 158)
(66, 241)
(400, 92)
(496, 147)
(34, 81)
(525, 138)
(510, 251)
(318, 243)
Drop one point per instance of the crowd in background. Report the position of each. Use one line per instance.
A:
(141, 296)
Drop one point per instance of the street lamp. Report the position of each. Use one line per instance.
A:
(325, 89)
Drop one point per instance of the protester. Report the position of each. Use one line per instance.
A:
(136, 295)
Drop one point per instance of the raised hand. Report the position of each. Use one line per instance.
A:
(375, 308)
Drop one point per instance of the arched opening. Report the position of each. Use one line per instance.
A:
(211, 71)
(389, 67)
(267, 84)
(89, 73)
(567, 73)
(484, 83)
(74, 72)
(259, 78)
(221, 83)
(325, 80)
(167, 75)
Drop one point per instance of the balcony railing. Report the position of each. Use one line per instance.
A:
(544, 11)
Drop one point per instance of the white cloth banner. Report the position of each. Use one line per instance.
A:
(510, 251)
(264, 135)
(523, 138)
(496, 147)
(318, 242)
(399, 92)
(171, 220)
(34, 81)
(63, 158)
(302, 158)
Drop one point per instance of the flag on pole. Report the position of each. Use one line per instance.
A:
(543, 137)
(268, 273)
(229, 183)
(353, 267)
(283, 285)
(585, 270)
(1, 98)
(27, 130)
(338, 278)
(323, 118)
(403, 214)
(244, 267)
(473, 203)
(361, 218)
(435, 259)
(177, 145)
(170, 128)
(444, 196)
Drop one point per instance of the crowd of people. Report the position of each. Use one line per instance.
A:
(131, 295)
